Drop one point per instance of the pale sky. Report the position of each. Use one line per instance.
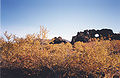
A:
(61, 17)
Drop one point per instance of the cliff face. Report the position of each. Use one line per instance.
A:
(88, 35)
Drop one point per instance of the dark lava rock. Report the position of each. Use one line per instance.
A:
(85, 36)
(58, 40)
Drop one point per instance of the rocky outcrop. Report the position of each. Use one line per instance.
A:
(58, 40)
(89, 35)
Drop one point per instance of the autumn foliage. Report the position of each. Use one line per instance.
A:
(99, 58)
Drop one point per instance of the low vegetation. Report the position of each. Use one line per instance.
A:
(34, 57)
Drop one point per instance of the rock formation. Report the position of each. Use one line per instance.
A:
(58, 40)
(90, 35)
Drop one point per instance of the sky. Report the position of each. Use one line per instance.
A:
(61, 17)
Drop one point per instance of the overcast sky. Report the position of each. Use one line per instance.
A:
(61, 17)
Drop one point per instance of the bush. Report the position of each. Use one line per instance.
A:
(79, 60)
